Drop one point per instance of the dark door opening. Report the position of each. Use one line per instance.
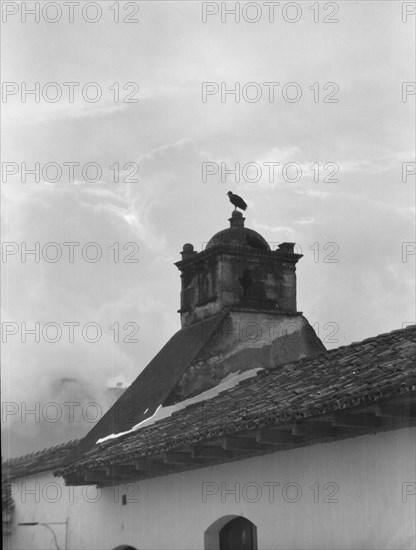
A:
(238, 534)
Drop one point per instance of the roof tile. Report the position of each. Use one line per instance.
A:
(342, 378)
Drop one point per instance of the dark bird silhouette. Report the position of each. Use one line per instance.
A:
(236, 201)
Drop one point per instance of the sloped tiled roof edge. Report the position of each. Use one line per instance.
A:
(38, 461)
(7, 507)
(361, 373)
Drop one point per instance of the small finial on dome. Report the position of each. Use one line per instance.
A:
(236, 219)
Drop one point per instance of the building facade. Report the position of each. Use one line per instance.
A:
(242, 433)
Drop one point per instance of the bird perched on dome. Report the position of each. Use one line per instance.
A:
(236, 201)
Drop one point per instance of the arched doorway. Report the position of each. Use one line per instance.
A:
(231, 533)
(238, 534)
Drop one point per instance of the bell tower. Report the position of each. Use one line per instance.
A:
(236, 270)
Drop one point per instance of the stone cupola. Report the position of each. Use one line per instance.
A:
(237, 269)
(238, 313)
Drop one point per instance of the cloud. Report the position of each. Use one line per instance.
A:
(368, 213)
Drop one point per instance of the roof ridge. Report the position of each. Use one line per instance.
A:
(352, 344)
(384, 334)
(20, 458)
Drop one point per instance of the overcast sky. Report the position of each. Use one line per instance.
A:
(361, 221)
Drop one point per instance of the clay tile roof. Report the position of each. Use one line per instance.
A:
(359, 374)
(7, 506)
(39, 461)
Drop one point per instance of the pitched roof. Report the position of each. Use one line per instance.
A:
(7, 506)
(358, 374)
(39, 461)
(153, 385)
(7, 502)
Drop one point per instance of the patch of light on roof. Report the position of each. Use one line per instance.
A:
(112, 436)
(227, 383)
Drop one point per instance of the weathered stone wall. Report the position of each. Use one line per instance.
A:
(247, 340)
(227, 276)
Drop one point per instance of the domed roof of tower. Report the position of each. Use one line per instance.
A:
(238, 235)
